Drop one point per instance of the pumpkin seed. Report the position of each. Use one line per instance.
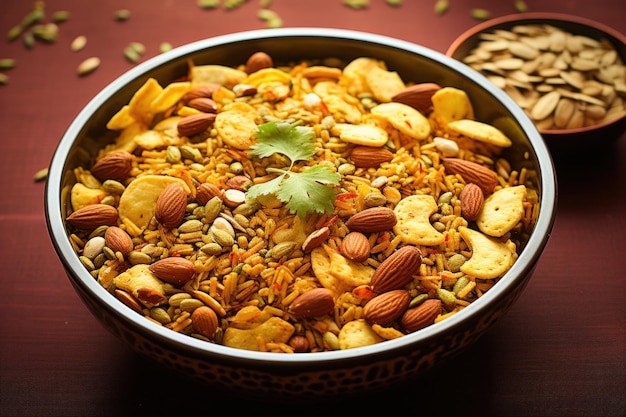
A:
(88, 66)
(7, 63)
(208, 4)
(122, 14)
(441, 6)
(480, 14)
(40, 175)
(60, 16)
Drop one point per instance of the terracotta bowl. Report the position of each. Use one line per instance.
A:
(308, 374)
(560, 140)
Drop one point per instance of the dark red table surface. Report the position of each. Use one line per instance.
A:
(560, 351)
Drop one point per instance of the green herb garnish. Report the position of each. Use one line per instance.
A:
(309, 190)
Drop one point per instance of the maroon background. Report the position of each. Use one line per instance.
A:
(559, 351)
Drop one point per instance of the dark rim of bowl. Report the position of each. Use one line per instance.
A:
(79, 275)
(559, 20)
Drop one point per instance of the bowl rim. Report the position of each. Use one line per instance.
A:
(545, 17)
(79, 275)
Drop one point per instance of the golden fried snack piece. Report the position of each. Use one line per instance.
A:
(404, 118)
(236, 125)
(82, 196)
(383, 84)
(450, 104)
(367, 135)
(216, 74)
(274, 330)
(357, 333)
(413, 226)
(480, 131)
(502, 210)
(490, 258)
(336, 272)
(143, 284)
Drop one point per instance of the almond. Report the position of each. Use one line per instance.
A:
(205, 321)
(386, 308)
(113, 166)
(421, 316)
(313, 303)
(202, 90)
(355, 246)
(234, 198)
(239, 182)
(257, 61)
(129, 300)
(374, 219)
(198, 123)
(397, 270)
(204, 104)
(315, 239)
(473, 172)
(171, 205)
(207, 191)
(472, 200)
(418, 96)
(94, 215)
(369, 156)
(175, 270)
(118, 240)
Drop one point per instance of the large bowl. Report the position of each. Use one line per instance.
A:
(573, 140)
(308, 374)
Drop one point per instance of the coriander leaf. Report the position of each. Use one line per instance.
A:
(310, 190)
(293, 141)
(266, 188)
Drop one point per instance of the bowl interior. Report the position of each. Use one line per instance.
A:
(87, 134)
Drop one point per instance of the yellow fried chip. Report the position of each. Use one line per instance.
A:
(343, 106)
(320, 71)
(490, 258)
(216, 74)
(357, 333)
(320, 263)
(266, 76)
(450, 104)
(353, 75)
(274, 330)
(139, 106)
(404, 118)
(171, 94)
(413, 224)
(337, 273)
(139, 277)
(480, 131)
(236, 125)
(368, 135)
(121, 119)
(138, 201)
(502, 210)
(81, 196)
(384, 84)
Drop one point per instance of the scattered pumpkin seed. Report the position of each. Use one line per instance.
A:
(357, 4)
(41, 175)
(29, 40)
(480, 14)
(265, 3)
(34, 16)
(441, 6)
(233, 4)
(14, 33)
(165, 46)
(276, 22)
(122, 15)
(60, 16)
(208, 4)
(131, 55)
(4, 79)
(7, 63)
(47, 33)
(394, 3)
(266, 14)
(521, 6)
(78, 43)
(88, 66)
(138, 46)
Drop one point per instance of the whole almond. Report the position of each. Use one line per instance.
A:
(239, 182)
(369, 156)
(94, 215)
(418, 96)
(313, 303)
(205, 321)
(421, 316)
(315, 239)
(175, 270)
(118, 240)
(472, 199)
(171, 205)
(387, 307)
(202, 91)
(374, 219)
(355, 246)
(204, 104)
(113, 166)
(397, 270)
(128, 300)
(473, 172)
(206, 191)
(198, 123)
(257, 61)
